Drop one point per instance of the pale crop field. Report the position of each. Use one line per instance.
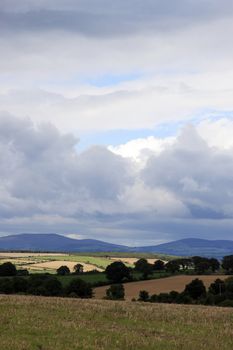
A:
(54, 265)
(39, 323)
(160, 285)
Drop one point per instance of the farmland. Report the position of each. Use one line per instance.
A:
(33, 323)
(50, 262)
(161, 285)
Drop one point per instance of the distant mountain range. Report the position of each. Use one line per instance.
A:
(58, 243)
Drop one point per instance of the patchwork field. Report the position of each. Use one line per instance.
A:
(50, 262)
(161, 285)
(41, 262)
(38, 323)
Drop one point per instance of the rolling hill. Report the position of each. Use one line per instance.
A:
(57, 243)
(192, 247)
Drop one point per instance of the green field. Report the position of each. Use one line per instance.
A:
(94, 278)
(38, 323)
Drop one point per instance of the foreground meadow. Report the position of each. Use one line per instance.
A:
(39, 323)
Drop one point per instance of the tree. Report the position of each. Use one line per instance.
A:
(217, 287)
(143, 296)
(117, 272)
(79, 288)
(53, 287)
(195, 289)
(184, 262)
(229, 284)
(172, 266)
(116, 292)
(202, 267)
(144, 267)
(227, 263)
(214, 264)
(159, 265)
(78, 268)
(8, 269)
(63, 270)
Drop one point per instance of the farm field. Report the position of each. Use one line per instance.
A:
(50, 262)
(161, 285)
(41, 262)
(39, 323)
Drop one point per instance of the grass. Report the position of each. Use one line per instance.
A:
(37, 323)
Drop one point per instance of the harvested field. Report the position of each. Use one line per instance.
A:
(161, 285)
(37, 323)
(54, 265)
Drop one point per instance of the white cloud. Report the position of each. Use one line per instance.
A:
(176, 185)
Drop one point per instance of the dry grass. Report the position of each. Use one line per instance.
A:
(161, 285)
(37, 323)
(54, 265)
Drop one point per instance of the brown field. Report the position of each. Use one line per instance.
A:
(39, 323)
(54, 265)
(156, 286)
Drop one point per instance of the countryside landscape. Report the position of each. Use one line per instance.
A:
(116, 175)
(95, 296)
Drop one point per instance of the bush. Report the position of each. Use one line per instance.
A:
(115, 292)
(226, 303)
(143, 296)
(6, 286)
(20, 284)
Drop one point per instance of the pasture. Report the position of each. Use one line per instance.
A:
(161, 285)
(50, 262)
(40, 323)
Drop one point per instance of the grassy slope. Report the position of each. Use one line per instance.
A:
(37, 323)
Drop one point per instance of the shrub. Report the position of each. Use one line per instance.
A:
(226, 303)
(6, 286)
(143, 296)
(115, 292)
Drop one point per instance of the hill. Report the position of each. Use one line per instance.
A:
(57, 243)
(70, 324)
(192, 247)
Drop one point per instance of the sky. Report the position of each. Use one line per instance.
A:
(116, 119)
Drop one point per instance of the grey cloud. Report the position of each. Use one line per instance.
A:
(199, 175)
(47, 186)
(41, 169)
(104, 18)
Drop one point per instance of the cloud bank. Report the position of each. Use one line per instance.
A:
(173, 188)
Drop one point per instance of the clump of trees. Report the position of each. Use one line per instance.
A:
(219, 293)
(45, 285)
(118, 272)
(15, 282)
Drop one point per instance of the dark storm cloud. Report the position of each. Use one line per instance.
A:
(106, 18)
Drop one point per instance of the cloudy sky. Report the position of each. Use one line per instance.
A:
(116, 119)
